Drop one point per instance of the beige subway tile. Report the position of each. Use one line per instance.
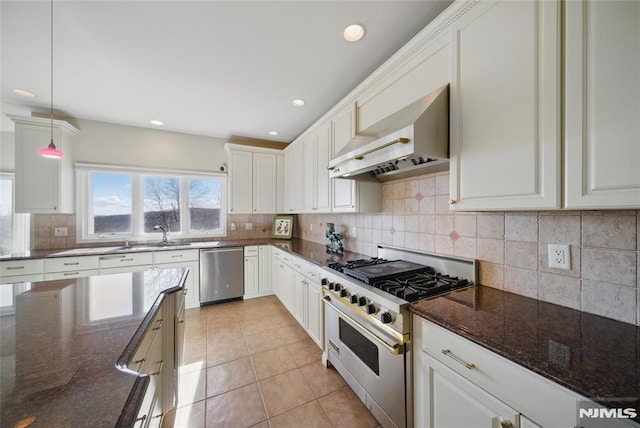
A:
(367, 221)
(560, 229)
(465, 247)
(43, 232)
(387, 205)
(411, 223)
(411, 240)
(465, 224)
(58, 243)
(427, 205)
(359, 220)
(442, 185)
(559, 289)
(411, 188)
(398, 222)
(521, 281)
(397, 190)
(375, 221)
(427, 224)
(387, 191)
(411, 206)
(386, 237)
(490, 225)
(491, 274)
(609, 231)
(41, 220)
(442, 204)
(427, 242)
(398, 239)
(610, 300)
(521, 254)
(386, 221)
(42, 244)
(443, 245)
(444, 224)
(491, 250)
(614, 266)
(376, 236)
(428, 185)
(365, 234)
(398, 206)
(518, 227)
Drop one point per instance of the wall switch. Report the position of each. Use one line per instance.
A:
(559, 256)
(310, 227)
(354, 232)
(248, 226)
(233, 226)
(61, 232)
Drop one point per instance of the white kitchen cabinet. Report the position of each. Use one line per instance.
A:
(187, 259)
(316, 181)
(283, 279)
(493, 385)
(602, 104)
(43, 185)
(70, 267)
(293, 171)
(12, 271)
(251, 269)
(299, 301)
(315, 313)
(125, 262)
(253, 180)
(356, 196)
(343, 127)
(264, 275)
(456, 402)
(505, 106)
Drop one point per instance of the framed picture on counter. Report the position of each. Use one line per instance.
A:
(282, 227)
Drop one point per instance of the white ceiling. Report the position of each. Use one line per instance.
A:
(215, 68)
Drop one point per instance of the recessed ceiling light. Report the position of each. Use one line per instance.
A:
(25, 93)
(298, 102)
(273, 133)
(156, 122)
(354, 32)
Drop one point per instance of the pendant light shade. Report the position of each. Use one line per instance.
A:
(51, 151)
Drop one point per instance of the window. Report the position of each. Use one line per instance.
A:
(116, 204)
(14, 228)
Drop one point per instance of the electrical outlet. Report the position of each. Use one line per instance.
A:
(248, 226)
(233, 226)
(310, 227)
(61, 231)
(354, 232)
(559, 354)
(559, 256)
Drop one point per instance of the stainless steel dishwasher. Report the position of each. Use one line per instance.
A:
(221, 274)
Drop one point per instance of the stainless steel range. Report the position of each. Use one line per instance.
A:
(368, 325)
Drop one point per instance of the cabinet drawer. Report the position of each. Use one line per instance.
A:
(283, 256)
(63, 264)
(144, 414)
(139, 360)
(251, 250)
(121, 260)
(70, 274)
(160, 257)
(520, 388)
(21, 267)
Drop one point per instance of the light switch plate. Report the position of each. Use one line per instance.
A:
(248, 226)
(61, 232)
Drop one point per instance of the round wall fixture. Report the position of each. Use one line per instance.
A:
(354, 32)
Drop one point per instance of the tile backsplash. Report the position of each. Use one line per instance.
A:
(604, 277)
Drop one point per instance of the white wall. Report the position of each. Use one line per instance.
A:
(7, 151)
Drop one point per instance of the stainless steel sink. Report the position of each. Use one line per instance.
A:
(151, 246)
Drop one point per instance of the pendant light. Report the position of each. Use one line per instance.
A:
(51, 151)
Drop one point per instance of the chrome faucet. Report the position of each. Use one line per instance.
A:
(164, 233)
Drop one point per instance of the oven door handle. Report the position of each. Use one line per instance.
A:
(396, 349)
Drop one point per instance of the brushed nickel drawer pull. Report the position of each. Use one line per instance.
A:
(160, 364)
(450, 354)
(140, 361)
(160, 322)
(71, 263)
(175, 256)
(15, 267)
(71, 273)
(126, 260)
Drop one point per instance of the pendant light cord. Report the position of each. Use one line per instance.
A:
(51, 108)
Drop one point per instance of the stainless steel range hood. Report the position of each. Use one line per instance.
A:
(412, 141)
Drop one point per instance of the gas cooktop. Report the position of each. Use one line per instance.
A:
(407, 280)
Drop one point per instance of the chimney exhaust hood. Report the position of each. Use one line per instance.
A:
(412, 141)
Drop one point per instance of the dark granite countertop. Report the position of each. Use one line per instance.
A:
(60, 348)
(603, 354)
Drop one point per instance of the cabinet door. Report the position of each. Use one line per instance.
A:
(343, 127)
(344, 195)
(293, 170)
(323, 182)
(192, 283)
(309, 176)
(315, 320)
(505, 100)
(250, 275)
(240, 181)
(602, 104)
(264, 269)
(264, 183)
(453, 401)
(300, 288)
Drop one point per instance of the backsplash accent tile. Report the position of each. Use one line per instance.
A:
(511, 246)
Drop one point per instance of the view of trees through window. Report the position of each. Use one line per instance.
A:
(168, 201)
(6, 209)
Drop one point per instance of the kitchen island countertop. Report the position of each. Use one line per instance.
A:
(60, 347)
(603, 354)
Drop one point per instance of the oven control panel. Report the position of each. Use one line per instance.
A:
(363, 301)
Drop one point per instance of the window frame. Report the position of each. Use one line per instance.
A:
(20, 222)
(84, 206)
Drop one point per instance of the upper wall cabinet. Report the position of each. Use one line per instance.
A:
(602, 104)
(505, 106)
(316, 181)
(293, 173)
(253, 180)
(343, 127)
(43, 185)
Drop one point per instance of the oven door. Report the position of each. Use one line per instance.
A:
(372, 363)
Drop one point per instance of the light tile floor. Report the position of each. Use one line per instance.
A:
(249, 363)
